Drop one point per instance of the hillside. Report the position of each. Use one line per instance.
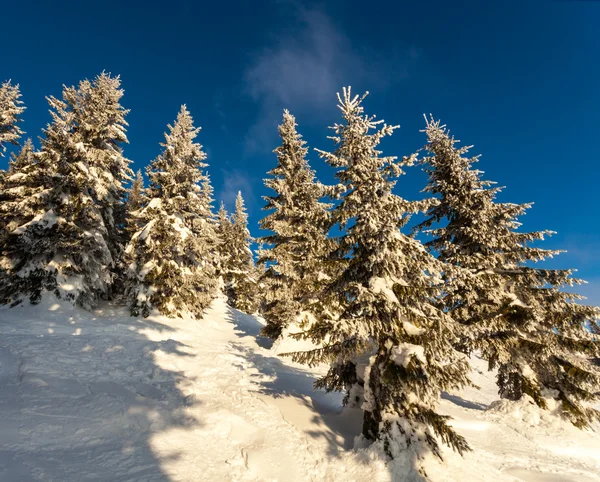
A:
(106, 397)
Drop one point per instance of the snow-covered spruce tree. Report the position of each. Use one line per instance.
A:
(384, 301)
(21, 198)
(223, 230)
(239, 272)
(206, 226)
(58, 240)
(517, 315)
(102, 135)
(170, 270)
(135, 201)
(11, 107)
(299, 223)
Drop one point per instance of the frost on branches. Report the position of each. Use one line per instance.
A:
(299, 222)
(237, 268)
(61, 233)
(516, 314)
(10, 110)
(171, 270)
(389, 336)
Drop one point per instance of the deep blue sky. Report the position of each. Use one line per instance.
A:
(519, 80)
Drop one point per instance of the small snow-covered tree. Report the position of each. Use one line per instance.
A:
(204, 226)
(387, 334)
(238, 264)
(11, 107)
(223, 231)
(170, 271)
(299, 223)
(135, 200)
(514, 313)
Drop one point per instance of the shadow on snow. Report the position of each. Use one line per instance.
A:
(326, 420)
(81, 397)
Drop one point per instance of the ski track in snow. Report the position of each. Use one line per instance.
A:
(106, 397)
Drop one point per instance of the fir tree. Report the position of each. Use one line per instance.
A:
(223, 231)
(238, 264)
(135, 201)
(384, 301)
(57, 240)
(21, 197)
(11, 107)
(515, 314)
(299, 223)
(101, 136)
(170, 271)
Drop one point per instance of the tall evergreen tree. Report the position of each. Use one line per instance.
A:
(170, 271)
(102, 136)
(11, 107)
(239, 273)
(517, 315)
(384, 301)
(299, 222)
(58, 240)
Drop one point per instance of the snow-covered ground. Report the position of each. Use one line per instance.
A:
(105, 397)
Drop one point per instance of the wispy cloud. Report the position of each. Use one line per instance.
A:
(305, 67)
(235, 180)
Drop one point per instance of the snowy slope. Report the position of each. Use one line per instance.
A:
(105, 397)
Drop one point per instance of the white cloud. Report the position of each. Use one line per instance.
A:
(235, 180)
(304, 69)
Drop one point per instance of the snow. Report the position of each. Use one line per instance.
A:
(103, 396)
(49, 218)
(405, 352)
(412, 330)
(383, 286)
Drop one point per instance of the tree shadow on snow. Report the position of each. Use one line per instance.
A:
(247, 325)
(82, 395)
(461, 402)
(314, 412)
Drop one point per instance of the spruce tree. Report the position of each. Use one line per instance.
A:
(299, 223)
(223, 231)
(514, 313)
(21, 198)
(57, 240)
(239, 273)
(387, 334)
(170, 270)
(102, 136)
(135, 200)
(11, 108)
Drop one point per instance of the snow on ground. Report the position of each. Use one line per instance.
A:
(105, 397)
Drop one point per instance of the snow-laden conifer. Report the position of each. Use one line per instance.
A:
(135, 200)
(387, 333)
(170, 270)
(238, 270)
(223, 228)
(21, 198)
(57, 239)
(515, 313)
(101, 137)
(299, 223)
(11, 108)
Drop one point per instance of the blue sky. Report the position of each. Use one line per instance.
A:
(516, 79)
